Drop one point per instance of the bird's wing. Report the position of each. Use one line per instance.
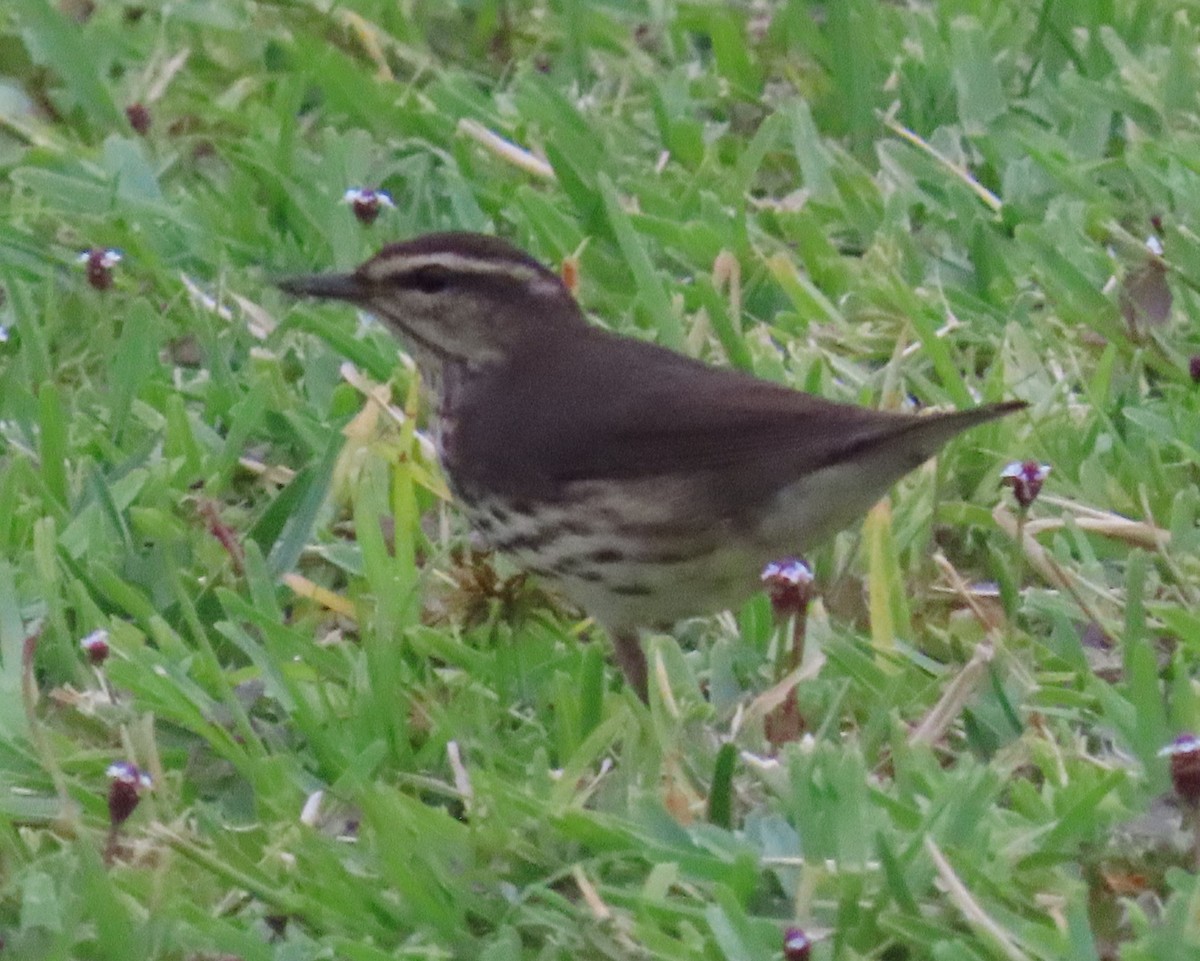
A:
(601, 407)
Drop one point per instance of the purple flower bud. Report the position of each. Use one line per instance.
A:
(1026, 479)
(1194, 368)
(1184, 753)
(126, 782)
(789, 585)
(366, 203)
(796, 945)
(100, 262)
(138, 115)
(95, 646)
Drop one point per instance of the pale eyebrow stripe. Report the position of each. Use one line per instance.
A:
(455, 262)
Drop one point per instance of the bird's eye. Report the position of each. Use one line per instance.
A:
(428, 280)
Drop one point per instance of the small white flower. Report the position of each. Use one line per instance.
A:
(365, 195)
(1184, 744)
(107, 258)
(129, 773)
(98, 636)
(1026, 479)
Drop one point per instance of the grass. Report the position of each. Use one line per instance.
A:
(949, 202)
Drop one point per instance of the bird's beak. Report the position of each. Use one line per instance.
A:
(330, 286)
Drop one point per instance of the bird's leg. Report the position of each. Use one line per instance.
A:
(632, 661)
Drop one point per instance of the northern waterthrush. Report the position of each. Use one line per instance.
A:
(645, 485)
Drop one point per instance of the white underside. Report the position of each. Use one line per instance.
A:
(725, 574)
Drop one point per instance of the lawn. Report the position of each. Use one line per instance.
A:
(261, 699)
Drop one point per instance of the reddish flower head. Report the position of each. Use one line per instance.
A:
(125, 787)
(796, 945)
(366, 203)
(95, 646)
(99, 263)
(138, 115)
(789, 585)
(1026, 479)
(1184, 753)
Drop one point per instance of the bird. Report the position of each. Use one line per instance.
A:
(643, 485)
